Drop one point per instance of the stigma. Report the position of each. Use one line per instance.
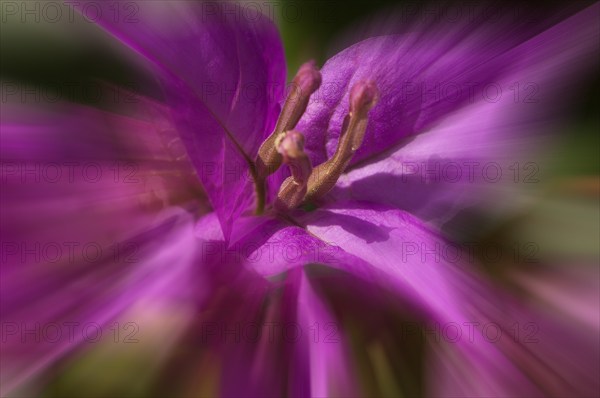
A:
(293, 190)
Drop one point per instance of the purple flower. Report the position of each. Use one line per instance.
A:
(327, 206)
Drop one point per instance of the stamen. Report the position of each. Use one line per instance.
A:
(268, 160)
(306, 82)
(363, 96)
(293, 189)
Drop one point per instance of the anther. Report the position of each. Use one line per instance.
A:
(292, 191)
(363, 96)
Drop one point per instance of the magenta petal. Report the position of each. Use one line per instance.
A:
(416, 263)
(310, 362)
(86, 228)
(67, 167)
(299, 354)
(223, 77)
(49, 309)
(400, 66)
(277, 247)
(424, 75)
(552, 348)
(324, 344)
(241, 322)
(400, 248)
(486, 149)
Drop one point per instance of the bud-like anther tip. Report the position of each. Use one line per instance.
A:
(363, 96)
(308, 78)
(290, 144)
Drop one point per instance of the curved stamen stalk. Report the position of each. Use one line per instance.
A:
(363, 97)
(268, 160)
(293, 189)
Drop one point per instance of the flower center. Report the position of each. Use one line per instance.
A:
(286, 145)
